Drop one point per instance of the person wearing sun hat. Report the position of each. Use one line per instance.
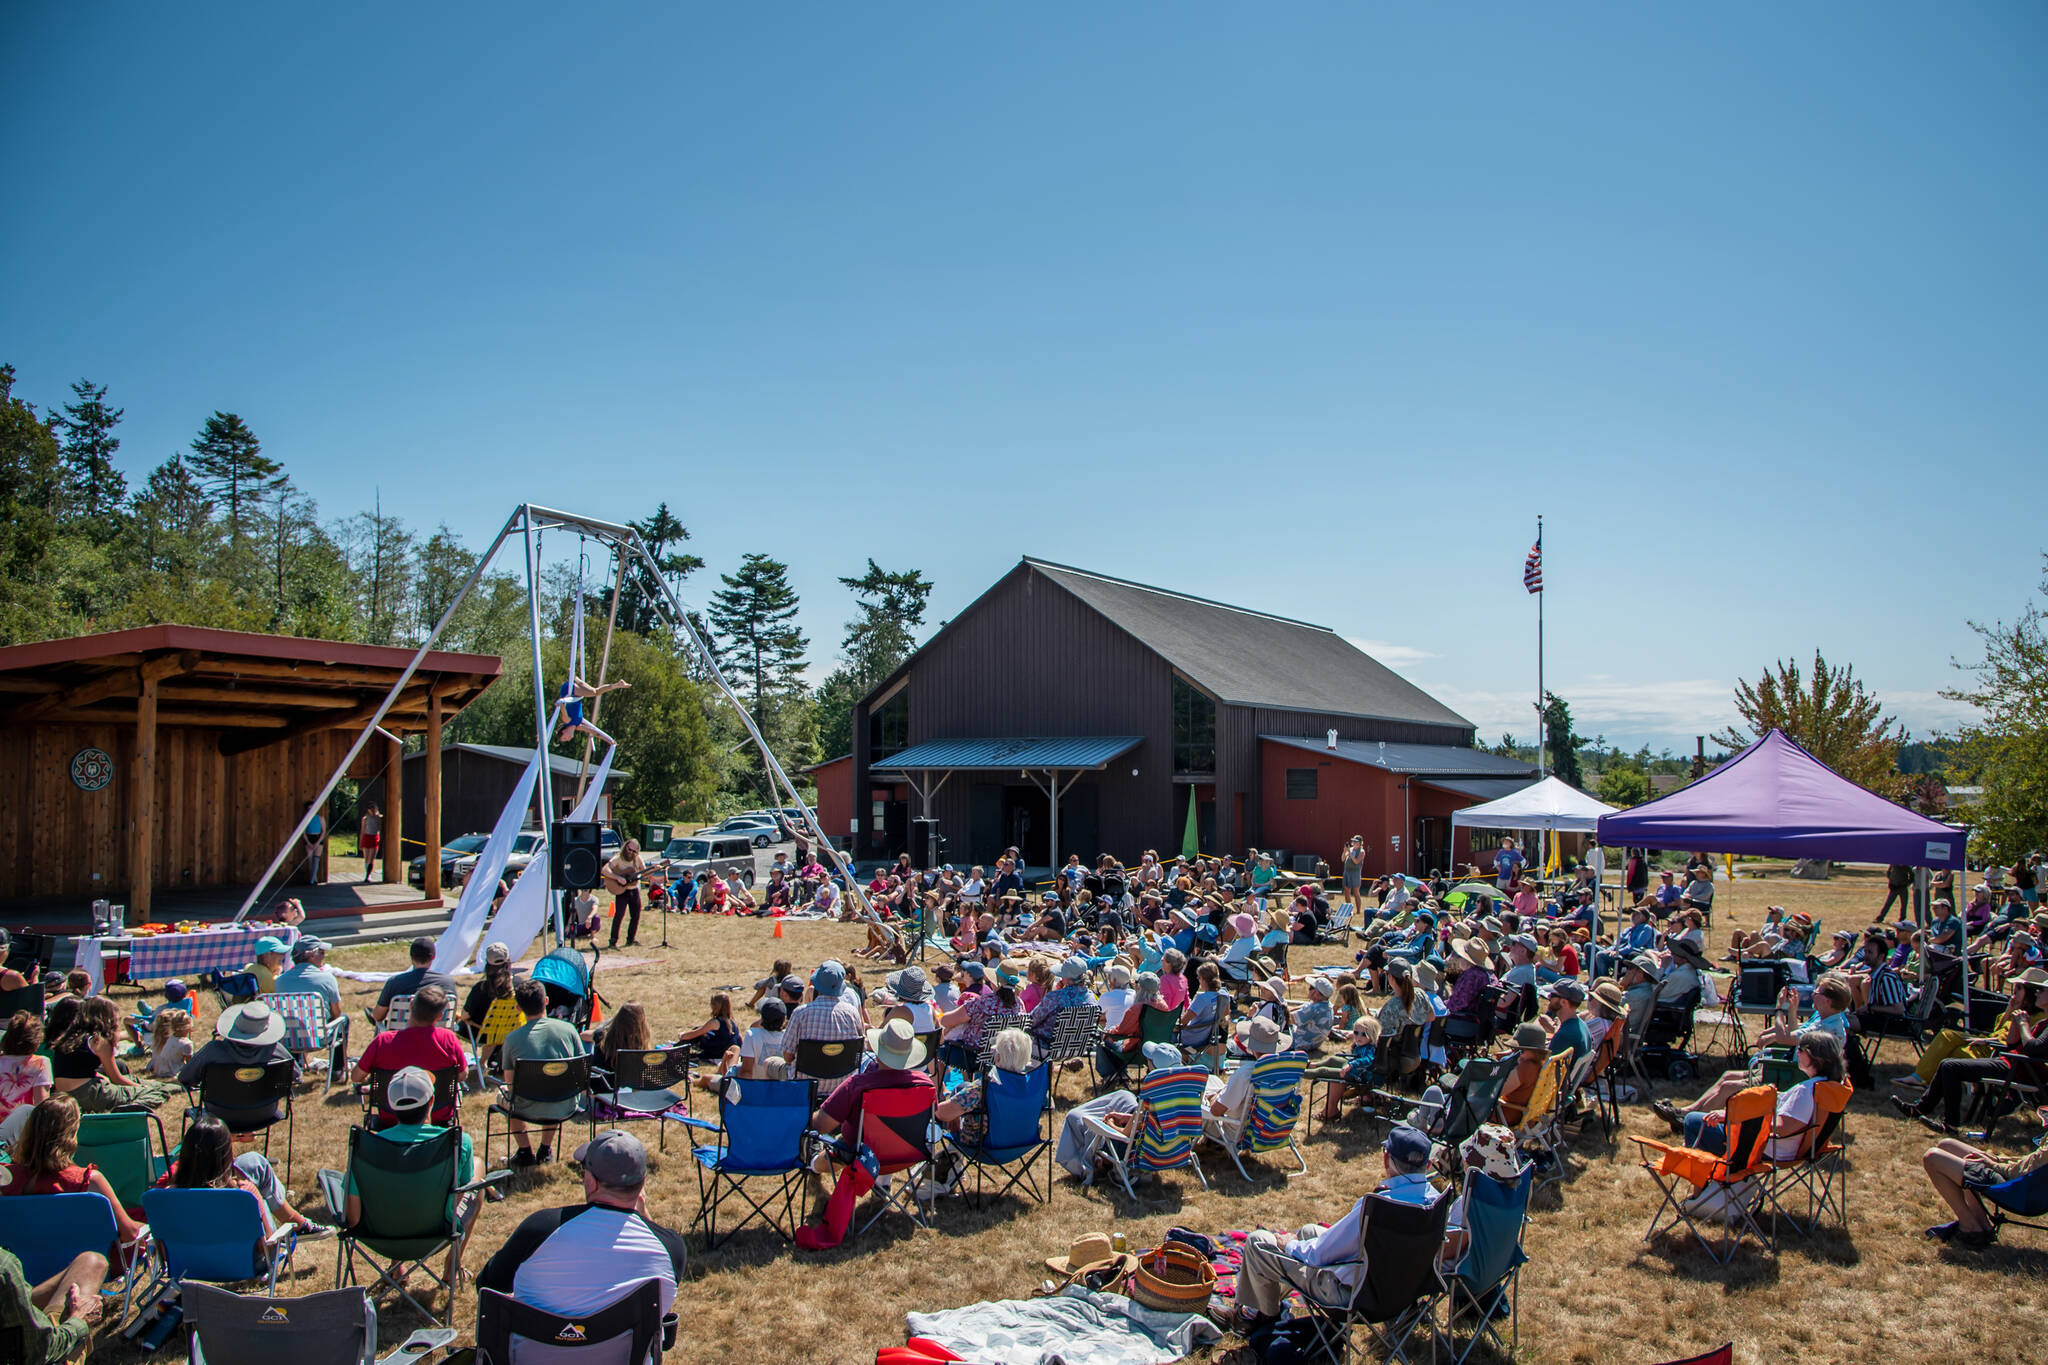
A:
(244, 1036)
(1607, 1006)
(1532, 1050)
(899, 1059)
(1491, 1152)
(1314, 1020)
(1227, 1101)
(1070, 991)
(1334, 1256)
(831, 1016)
(1682, 977)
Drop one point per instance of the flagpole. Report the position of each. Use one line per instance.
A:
(1542, 720)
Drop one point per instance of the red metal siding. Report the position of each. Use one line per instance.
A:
(1351, 798)
(835, 794)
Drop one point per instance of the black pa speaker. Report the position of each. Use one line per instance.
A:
(575, 854)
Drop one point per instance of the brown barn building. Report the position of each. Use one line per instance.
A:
(178, 759)
(1103, 707)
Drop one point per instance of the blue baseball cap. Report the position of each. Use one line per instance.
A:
(267, 945)
(1409, 1145)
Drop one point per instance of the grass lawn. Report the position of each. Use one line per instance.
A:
(1592, 1292)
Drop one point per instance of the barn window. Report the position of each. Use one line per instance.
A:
(1301, 784)
(889, 726)
(1194, 730)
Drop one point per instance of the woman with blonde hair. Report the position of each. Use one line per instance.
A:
(41, 1163)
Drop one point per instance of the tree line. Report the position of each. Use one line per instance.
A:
(218, 534)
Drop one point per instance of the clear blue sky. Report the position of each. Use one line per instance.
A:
(1310, 310)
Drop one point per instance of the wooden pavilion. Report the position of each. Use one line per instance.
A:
(180, 758)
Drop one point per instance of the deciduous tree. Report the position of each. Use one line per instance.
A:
(1831, 715)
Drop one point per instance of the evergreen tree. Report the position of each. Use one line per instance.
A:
(759, 644)
(92, 486)
(1563, 745)
(232, 468)
(890, 608)
(31, 480)
(640, 596)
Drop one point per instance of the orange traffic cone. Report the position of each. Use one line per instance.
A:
(778, 927)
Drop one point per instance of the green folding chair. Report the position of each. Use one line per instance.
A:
(406, 1190)
(120, 1145)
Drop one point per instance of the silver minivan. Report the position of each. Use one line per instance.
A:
(729, 855)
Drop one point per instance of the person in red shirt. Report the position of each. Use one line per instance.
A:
(422, 1043)
(898, 1056)
(42, 1164)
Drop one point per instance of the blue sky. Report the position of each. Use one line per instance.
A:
(1312, 311)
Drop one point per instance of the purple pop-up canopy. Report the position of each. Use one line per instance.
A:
(1776, 800)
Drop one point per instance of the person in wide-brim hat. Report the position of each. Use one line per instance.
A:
(254, 1023)
(1473, 951)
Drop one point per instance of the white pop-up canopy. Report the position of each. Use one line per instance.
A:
(1549, 804)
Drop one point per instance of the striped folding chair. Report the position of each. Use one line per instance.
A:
(1276, 1109)
(1164, 1131)
(307, 1029)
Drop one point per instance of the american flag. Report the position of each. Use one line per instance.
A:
(1532, 568)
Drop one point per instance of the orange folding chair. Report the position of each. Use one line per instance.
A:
(1738, 1172)
(1818, 1168)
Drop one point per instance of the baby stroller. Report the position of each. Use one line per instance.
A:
(568, 976)
(1667, 1045)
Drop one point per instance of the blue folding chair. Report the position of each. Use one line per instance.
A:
(759, 1136)
(49, 1231)
(2012, 1201)
(1487, 1277)
(216, 1235)
(1015, 1105)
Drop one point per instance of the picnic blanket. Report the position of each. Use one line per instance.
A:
(156, 956)
(1074, 1327)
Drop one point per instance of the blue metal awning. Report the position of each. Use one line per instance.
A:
(1064, 751)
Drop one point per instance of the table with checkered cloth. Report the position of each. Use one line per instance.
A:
(156, 956)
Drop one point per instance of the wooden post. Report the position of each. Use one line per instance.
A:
(142, 802)
(431, 809)
(394, 813)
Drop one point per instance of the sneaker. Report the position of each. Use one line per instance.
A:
(1975, 1241)
(1942, 1232)
(522, 1158)
(1906, 1108)
(544, 1155)
(313, 1232)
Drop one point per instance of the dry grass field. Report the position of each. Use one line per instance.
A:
(1593, 1293)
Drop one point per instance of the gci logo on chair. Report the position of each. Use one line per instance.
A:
(274, 1315)
(572, 1332)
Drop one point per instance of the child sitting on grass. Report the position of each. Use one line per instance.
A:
(170, 1042)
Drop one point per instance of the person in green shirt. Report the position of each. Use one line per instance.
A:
(1561, 1021)
(540, 1038)
(49, 1322)
(410, 1094)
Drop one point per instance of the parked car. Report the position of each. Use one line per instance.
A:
(451, 854)
(761, 830)
(729, 855)
(524, 845)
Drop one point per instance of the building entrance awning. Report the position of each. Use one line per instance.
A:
(994, 755)
(1041, 760)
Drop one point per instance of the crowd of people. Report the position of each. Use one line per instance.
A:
(972, 973)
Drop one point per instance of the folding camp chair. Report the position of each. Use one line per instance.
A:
(498, 1022)
(48, 1231)
(226, 1086)
(1164, 1129)
(216, 1235)
(1399, 1291)
(1076, 1032)
(1472, 1100)
(405, 1189)
(1604, 1057)
(308, 1029)
(647, 1083)
(991, 1028)
(31, 997)
(444, 1110)
(398, 1017)
(1276, 1109)
(1486, 1281)
(541, 1080)
(332, 1327)
(119, 1144)
(1724, 1355)
(627, 1331)
(1539, 1125)
(1817, 1168)
(896, 1125)
(2010, 1202)
(1750, 1115)
(1015, 1106)
(759, 1136)
(825, 1062)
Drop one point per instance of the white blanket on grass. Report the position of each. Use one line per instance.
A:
(1074, 1327)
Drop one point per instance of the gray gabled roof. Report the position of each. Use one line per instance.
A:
(1250, 658)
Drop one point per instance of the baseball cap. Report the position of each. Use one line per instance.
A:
(614, 1158)
(175, 991)
(303, 950)
(774, 1014)
(1645, 963)
(267, 945)
(1569, 990)
(1409, 1145)
(496, 953)
(977, 970)
(410, 1087)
